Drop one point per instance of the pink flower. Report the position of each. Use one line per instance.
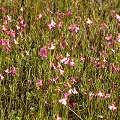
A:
(103, 52)
(7, 70)
(52, 24)
(13, 70)
(61, 71)
(71, 62)
(111, 49)
(11, 32)
(60, 24)
(39, 82)
(107, 95)
(39, 15)
(58, 65)
(72, 79)
(67, 54)
(45, 103)
(111, 107)
(76, 3)
(74, 91)
(74, 28)
(100, 94)
(109, 37)
(91, 94)
(15, 41)
(22, 21)
(1, 77)
(43, 52)
(17, 27)
(118, 37)
(104, 60)
(25, 51)
(89, 21)
(92, 1)
(117, 17)
(3, 28)
(21, 9)
(63, 101)
(92, 48)
(51, 46)
(65, 60)
(58, 89)
(83, 59)
(8, 17)
(5, 22)
(57, 117)
(7, 49)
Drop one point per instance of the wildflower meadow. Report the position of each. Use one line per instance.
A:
(59, 60)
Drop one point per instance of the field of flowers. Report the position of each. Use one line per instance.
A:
(60, 60)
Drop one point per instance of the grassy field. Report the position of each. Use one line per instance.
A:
(60, 60)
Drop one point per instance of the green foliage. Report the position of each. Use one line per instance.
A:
(20, 96)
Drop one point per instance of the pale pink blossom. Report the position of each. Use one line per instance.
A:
(17, 27)
(5, 22)
(14, 41)
(52, 24)
(111, 49)
(25, 51)
(58, 65)
(72, 79)
(3, 28)
(63, 101)
(2, 77)
(74, 91)
(58, 89)
(100, 94)
(118, 37)
(91, 94)
(53, 66)
(117, 17)
(107, 95)
(74, 27)
(83, 59)
(76, 3)
(92, 1)
(39, 82)
(103, 52)
(92, 48)
(39, 15)
(71, 62)
(7, 70)
(43, 52)
(21, 9)
(45, 103)
(7, 49)
(22, 21)
(67, 55)
(111, 107)
(60, 24)
(89, 21)
(8, 17)
(11, 33)
(51, 46)
(109, 37)
(57, 117)
(65, 60)
(61, 71)
(13, 70)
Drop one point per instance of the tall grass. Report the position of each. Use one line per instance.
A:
(60, 60)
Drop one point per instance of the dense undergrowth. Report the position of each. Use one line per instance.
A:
(60, 59)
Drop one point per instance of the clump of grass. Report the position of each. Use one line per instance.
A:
(59, 60)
